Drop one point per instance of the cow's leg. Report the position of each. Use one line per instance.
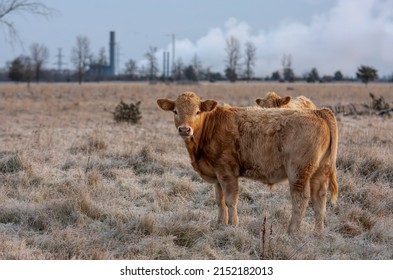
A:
(222, 207)
(300, 193)
(319, 185)
(230, 188)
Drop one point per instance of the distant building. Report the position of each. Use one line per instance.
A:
(98, 71)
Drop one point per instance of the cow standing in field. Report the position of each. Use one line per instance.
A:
(273, 100)
(269, 145)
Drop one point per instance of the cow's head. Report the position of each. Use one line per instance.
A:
(188, 110)
(273, 100)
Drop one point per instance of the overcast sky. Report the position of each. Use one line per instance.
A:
(327, 34)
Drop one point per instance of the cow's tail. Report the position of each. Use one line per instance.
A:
(329, 117)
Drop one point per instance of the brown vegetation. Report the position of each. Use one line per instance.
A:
(74, 184)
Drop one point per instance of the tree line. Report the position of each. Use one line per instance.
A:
(238, 65)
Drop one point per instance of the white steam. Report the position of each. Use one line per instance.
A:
(352, 33)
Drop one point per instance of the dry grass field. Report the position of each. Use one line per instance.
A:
(74, 184)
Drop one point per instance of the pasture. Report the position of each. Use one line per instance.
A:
(74, 184)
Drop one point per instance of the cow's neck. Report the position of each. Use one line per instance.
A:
(195, 144)
(192, 149)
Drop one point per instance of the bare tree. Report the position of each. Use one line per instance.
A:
(80, 56)
(101, 62)
(28, 69)
(102, 59)
(142, 71)
(250, 57)
(288, 73)
(9, 7)
(179, 69)
(197, 65)
(233, 57)
(39, 55)
(131, 68)
(152, 64)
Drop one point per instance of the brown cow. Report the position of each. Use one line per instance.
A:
(270, 145)
(273, 100)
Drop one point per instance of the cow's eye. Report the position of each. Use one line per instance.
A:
(175, 112)
(198, 112)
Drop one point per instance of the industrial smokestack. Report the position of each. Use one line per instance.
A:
(112, 47)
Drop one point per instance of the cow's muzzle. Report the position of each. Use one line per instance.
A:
(185, 131)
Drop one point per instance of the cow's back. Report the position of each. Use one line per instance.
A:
(270, 138)
(302, 102)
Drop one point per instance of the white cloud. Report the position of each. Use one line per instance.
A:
(353, 32)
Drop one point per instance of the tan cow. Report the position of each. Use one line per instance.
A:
(273, 100)
(270, 145)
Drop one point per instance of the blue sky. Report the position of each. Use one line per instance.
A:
(327, 34)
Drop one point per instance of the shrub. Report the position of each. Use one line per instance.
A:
(14, 163)
(127, 112)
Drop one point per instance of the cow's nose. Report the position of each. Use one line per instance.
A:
(185, 130)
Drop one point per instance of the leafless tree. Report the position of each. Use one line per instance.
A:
(152, 64)
(39, 55)
(28, 68)
(288, 73)
(179, 69)
(142, 71)
(101, 62)
(233, 57)
(250, 57)
(80, 56)
(102, 59)
(131, 68)
(197, 65)
(18, 7)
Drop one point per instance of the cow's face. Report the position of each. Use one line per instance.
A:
(273, 100)
(188, 110)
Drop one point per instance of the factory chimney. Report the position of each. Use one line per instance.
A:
(112, 47)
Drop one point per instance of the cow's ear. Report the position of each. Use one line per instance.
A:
(284, 101)
(208, 105)
(258, 101)
(166, 104)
